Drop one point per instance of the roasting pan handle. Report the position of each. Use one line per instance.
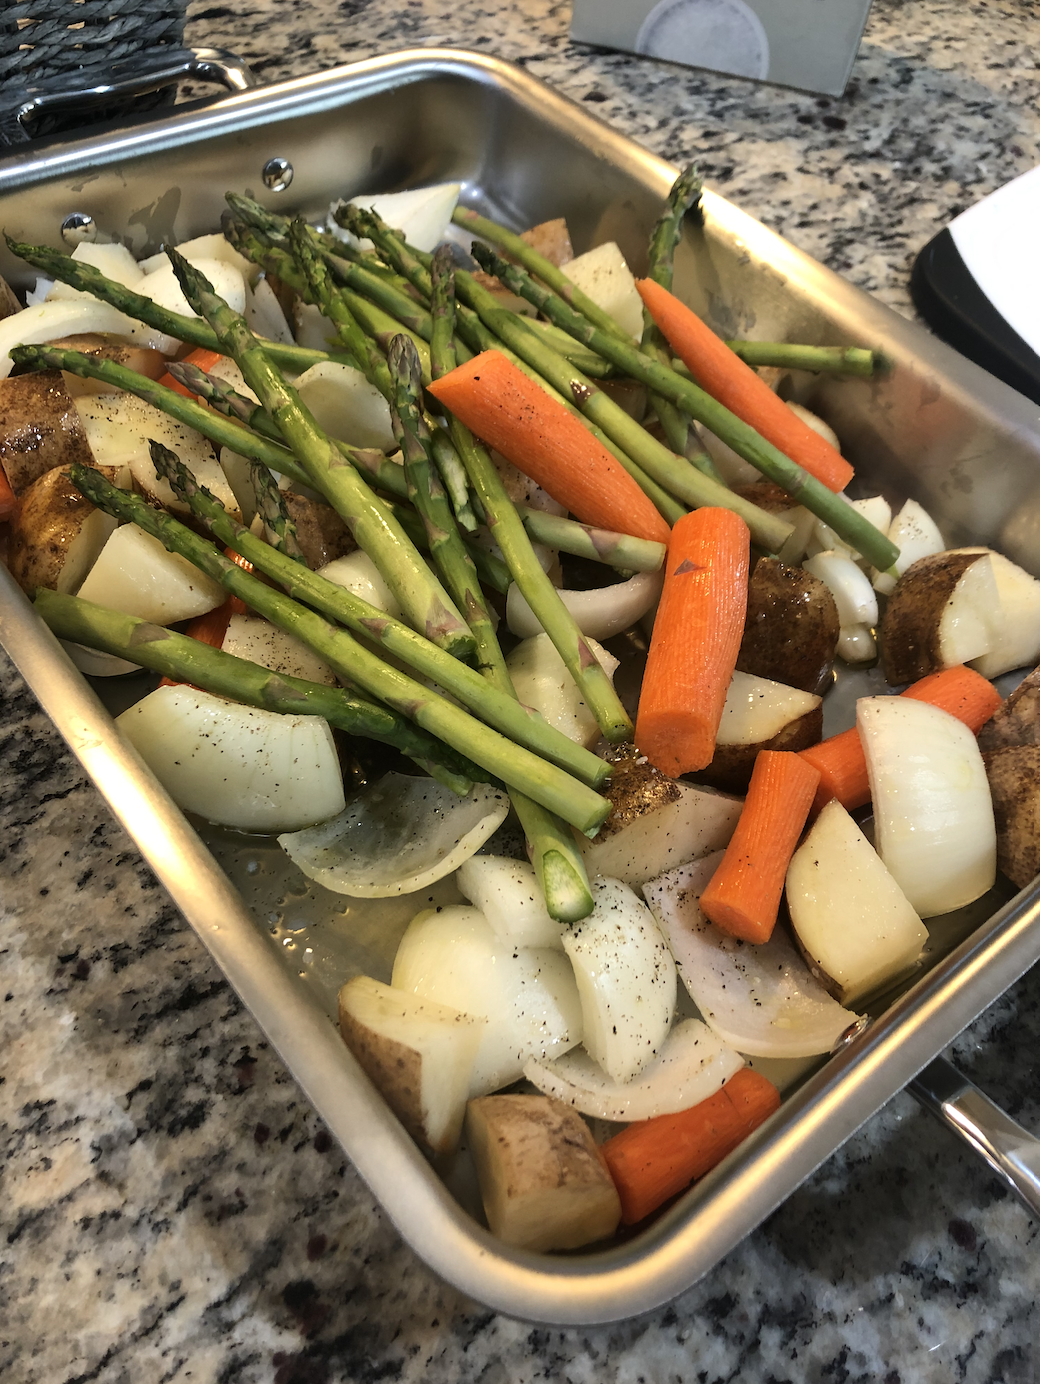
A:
(54, 99)
(1011, 1151)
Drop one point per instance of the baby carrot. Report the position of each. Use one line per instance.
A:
(519, 419)
(743, 895)
(212, 627)
(724, 375)
(652, 1160)
(696, 639)
(841, 761)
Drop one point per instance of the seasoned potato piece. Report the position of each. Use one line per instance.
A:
(732, 765)
(1017, 720)
(322, 534)
(1014, 784)
(417, 1053)
(9, 303)
(542, 1180)
(552, 240)
(39, 428)
(938, 615)
(791, 629)
(56, 534)
(146, 360)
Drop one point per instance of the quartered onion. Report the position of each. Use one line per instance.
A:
(600, 613)
(398, 836)
(693, 1064)
(760, 999)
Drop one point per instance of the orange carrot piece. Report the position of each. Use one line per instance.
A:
(519, 419)
(743, 895)
(212, 627)
(652, 1160)
(7, 496)
(841, 761)
(734, 384)
(696, 639)
(201, 357)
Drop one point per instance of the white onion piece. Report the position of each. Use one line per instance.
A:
(601, 613)
(264, 314)
(70, 317)
(856, 644)
(241, 766)
(522, 490)
(346, 406)
(876, 510)
(311, 328)
(203, 247)
(358, 573)
(542, 682)
(853, 594)
(626, 980)
(421, 214)
(761, 999)
(526, 994)
(603, 276)
(732, 467)
(254, 638)
(97, 664)
(933, 815)
(916, 535)
(114, 261)
(397, 836)
(135, 574)
(508, 894)
(692, 1065)
(162, 286)
(814, 421)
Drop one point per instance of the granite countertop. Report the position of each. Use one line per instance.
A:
(172, 1207)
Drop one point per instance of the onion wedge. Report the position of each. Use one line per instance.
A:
(396, 837)
(692, 1065)
(762, 1000)
(600, 613)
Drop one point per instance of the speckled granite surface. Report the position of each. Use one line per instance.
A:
(172, 1208)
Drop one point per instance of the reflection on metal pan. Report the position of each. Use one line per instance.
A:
(724, 35)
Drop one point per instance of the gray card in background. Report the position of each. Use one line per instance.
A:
(799, 43)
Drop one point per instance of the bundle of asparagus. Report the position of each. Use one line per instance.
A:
(395, 319)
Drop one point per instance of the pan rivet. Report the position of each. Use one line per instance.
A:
(277, 174)
(78, 228)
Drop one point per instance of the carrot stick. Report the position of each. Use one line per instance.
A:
(652, 1160)
(841, 761)
(7, 496)
(696, 639)
(212, 627)
(515, 416)
(724, 375)
(201, 357)
(743, 895)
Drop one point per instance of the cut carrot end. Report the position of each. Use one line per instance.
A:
(743, 896)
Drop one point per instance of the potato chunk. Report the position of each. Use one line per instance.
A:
(417, 1053)
(1014, 782)
(543, 1183)
(39, 428)
(791, 629)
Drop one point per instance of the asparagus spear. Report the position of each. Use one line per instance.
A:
(838, 360)
(504, 760)
(847, 522)
(193, 330)
(372, 523)
(428, 496)
(537, 264)
(558, 863)
(184, 659)
(543, 598)
(619, 550)
(373, 624)
(279, 529)
(678, 429)
(587, 361)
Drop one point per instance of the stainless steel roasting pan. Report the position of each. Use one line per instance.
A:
(933, 425)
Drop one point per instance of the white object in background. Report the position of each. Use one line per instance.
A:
(996, 239)
(725, 35)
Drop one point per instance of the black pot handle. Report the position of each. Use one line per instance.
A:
(104, 88)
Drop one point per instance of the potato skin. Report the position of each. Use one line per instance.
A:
(732, 765)
(393, 1068)
(909, 629)
(791, 628)
(1017, 720)
(47, 517)
(39, 428)
(1014, 782)
(322, 534)
(552, 240)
